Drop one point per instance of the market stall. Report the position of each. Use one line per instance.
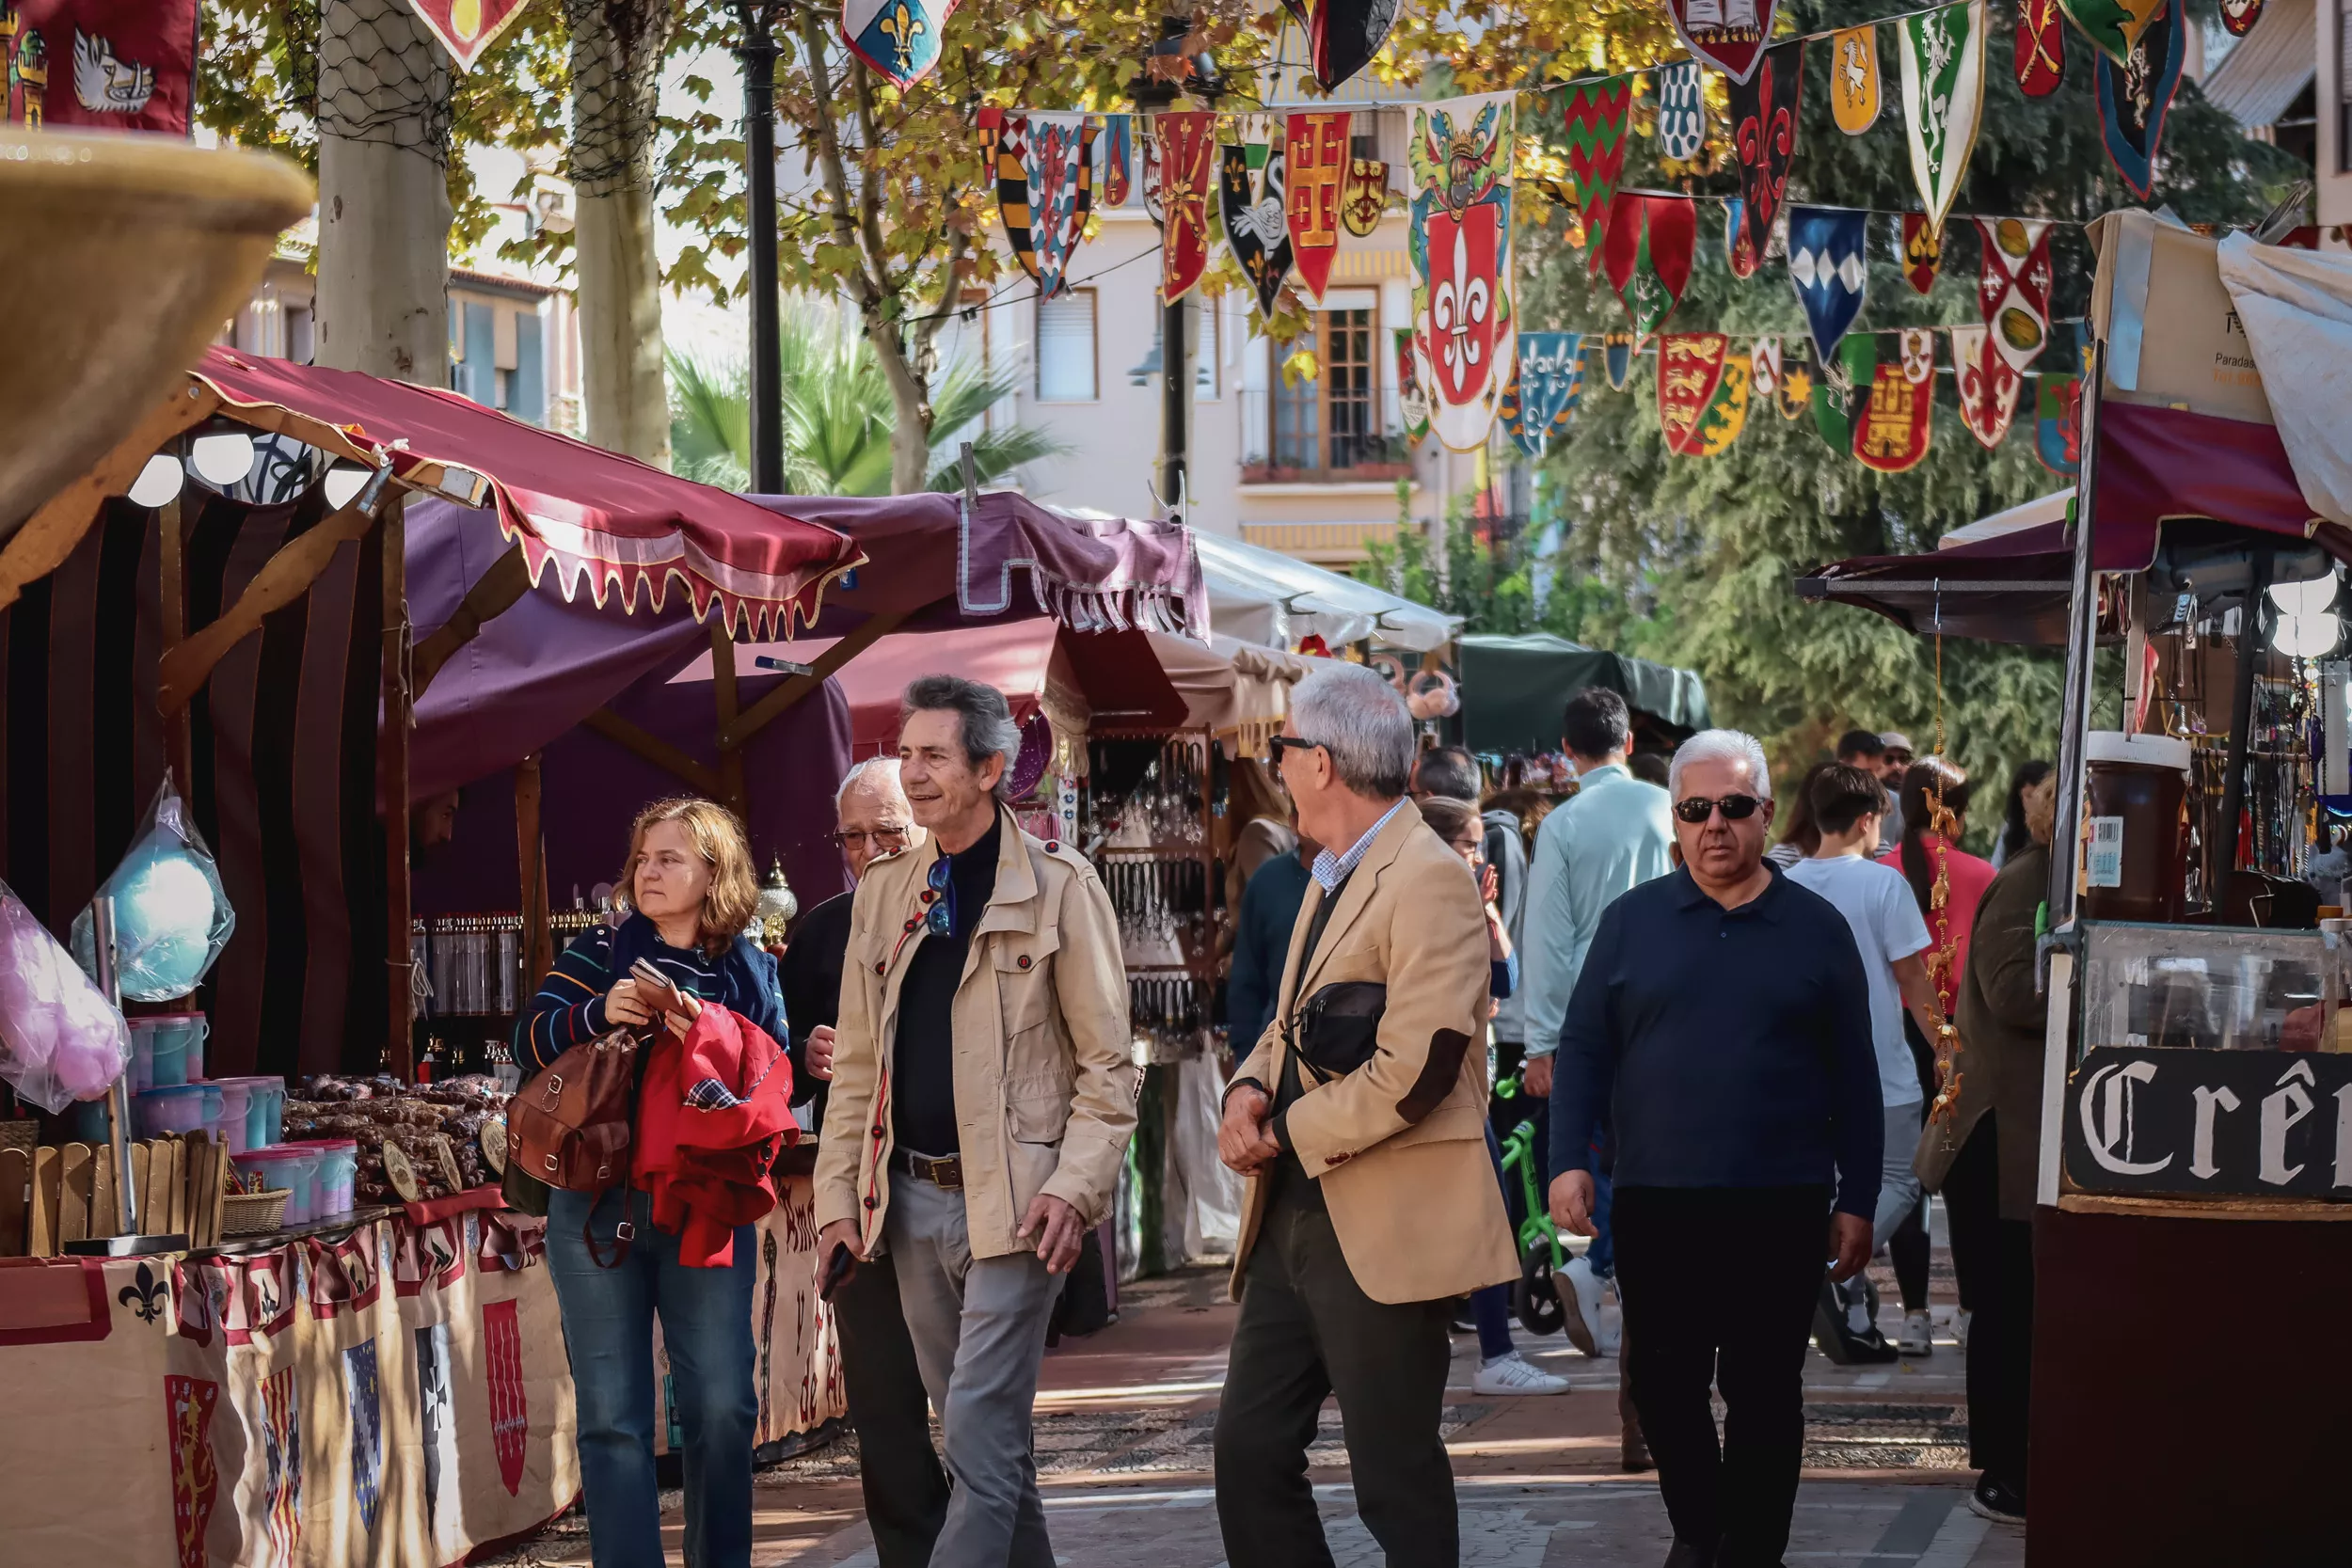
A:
(1513, 689)
(2196, 983)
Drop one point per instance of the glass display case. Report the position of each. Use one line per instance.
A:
(2210, 987)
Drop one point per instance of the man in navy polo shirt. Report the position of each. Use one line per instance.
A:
(1722, 1020)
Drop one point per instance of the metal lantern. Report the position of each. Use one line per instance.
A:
(777, 905)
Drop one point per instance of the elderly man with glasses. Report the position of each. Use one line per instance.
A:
(905, 1487)
(1360, 1121)
(1722, 1020)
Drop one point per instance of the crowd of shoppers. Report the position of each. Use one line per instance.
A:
(1731, 1057)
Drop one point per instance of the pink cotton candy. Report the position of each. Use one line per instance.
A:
(60, 1040)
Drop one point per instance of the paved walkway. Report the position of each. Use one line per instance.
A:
(1122, 1434)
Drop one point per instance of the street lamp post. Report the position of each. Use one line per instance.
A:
(757, 55)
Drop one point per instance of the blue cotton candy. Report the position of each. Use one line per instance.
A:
(164, 915)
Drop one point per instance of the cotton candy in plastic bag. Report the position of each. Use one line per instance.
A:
(171, 915)
(60, 1040)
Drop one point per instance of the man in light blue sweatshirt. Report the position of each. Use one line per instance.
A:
(1614, 835)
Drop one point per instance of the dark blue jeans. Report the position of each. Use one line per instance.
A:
(706, 1329)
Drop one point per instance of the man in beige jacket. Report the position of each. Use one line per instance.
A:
(983, 1094)
(1371, 1199)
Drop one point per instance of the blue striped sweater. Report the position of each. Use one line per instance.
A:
(568, 1008)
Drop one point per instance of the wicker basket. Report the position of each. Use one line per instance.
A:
(20, 1132)
(252, 1214)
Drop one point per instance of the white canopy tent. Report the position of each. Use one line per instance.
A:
(1264, 596)
(2033, 513)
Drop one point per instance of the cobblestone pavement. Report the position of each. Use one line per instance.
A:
(1122, 1438)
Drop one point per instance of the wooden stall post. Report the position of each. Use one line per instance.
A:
(732, 788)
(393, 764)
(530, 851)
(172, 580)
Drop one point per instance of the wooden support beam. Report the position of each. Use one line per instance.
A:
(733, 735)
(610, 725)
(172, 583)
(50, 535)
(286, 577)
(530, 854)
(393, 760)
(492, 596)
(734, 793)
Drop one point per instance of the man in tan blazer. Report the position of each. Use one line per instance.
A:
(1371, 1201)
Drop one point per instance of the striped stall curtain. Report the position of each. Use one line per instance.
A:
(284, 762)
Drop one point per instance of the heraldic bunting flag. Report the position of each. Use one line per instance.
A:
(1365, 197)
(1682, 111)
(1989, 385)
(1853, 79)
(2239, 16)
(1594, 117)
(1844, 387)
(1411, 401)
(1647, 255)
(1550, 379)
(1727, 34)
(1738, 251)
(1829, 265)
(1943, 57)
(1256, 229)
(1690, 369)
(1059, 164)
(1460, 247)
(2013, 288)
(1316, 163)
(1187, 151)
(1119, 157)
(1923, 252)
(1343, 36)
(1764, 111)
(104, 64)
(1616, 359)
(897, 38)
(1894, 422)
(2134, 97)
(2114, 26)
(2041, 55)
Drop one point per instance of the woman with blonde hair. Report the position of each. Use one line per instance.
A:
(688, 885)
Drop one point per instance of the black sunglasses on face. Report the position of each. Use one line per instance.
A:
(1735, 808)
(1274, 747)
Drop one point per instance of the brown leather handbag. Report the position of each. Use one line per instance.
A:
(570, 1127)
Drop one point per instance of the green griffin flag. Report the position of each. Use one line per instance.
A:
(1843, 390)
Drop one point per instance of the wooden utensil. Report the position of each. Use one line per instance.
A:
(16, 1178)
(143, 1189)
(106, 1218)
(74, 1201)
(44, 1217)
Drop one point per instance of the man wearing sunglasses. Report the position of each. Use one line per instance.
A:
(1722, 1020)
(1360, 1118)
(984, 1091)
(905, 1488)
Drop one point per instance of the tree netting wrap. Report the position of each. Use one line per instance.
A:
(382, 78)
(617, 47)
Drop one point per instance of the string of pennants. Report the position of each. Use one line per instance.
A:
(1870, 398)
(1286, 191)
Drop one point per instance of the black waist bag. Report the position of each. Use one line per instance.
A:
(1338, 1030)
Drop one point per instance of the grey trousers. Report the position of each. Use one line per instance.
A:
(1898, 1184)
(979, 1328)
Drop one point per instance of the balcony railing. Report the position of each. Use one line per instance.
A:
(1276, 451)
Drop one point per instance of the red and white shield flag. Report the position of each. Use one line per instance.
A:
(1989, 385)
(1464, 338)
(1317, 152)
(2013, 287)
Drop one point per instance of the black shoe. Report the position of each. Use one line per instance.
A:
(1841, 1343)
(1463, 1321)
(1997, 1501)
(1690, 1555)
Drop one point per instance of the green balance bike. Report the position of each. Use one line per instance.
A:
(1534, 1300)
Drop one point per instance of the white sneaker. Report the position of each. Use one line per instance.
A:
(1514, 1375)
(1580, 1302)
(1919, 1335)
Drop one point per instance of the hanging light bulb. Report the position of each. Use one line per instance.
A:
(2304, 598)
(223, 458)
(159, 481)
(2307, 636)
(343, 482)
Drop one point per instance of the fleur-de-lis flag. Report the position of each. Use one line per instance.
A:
(1989, 385)
(1464, 327)
(897, 38)
(1764, 114)
(1942, 58)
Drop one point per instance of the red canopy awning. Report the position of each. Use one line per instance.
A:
(618, 528)
(2154, 465)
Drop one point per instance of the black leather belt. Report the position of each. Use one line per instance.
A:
(946, 1172)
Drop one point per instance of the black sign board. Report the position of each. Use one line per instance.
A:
(2196, 1123)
